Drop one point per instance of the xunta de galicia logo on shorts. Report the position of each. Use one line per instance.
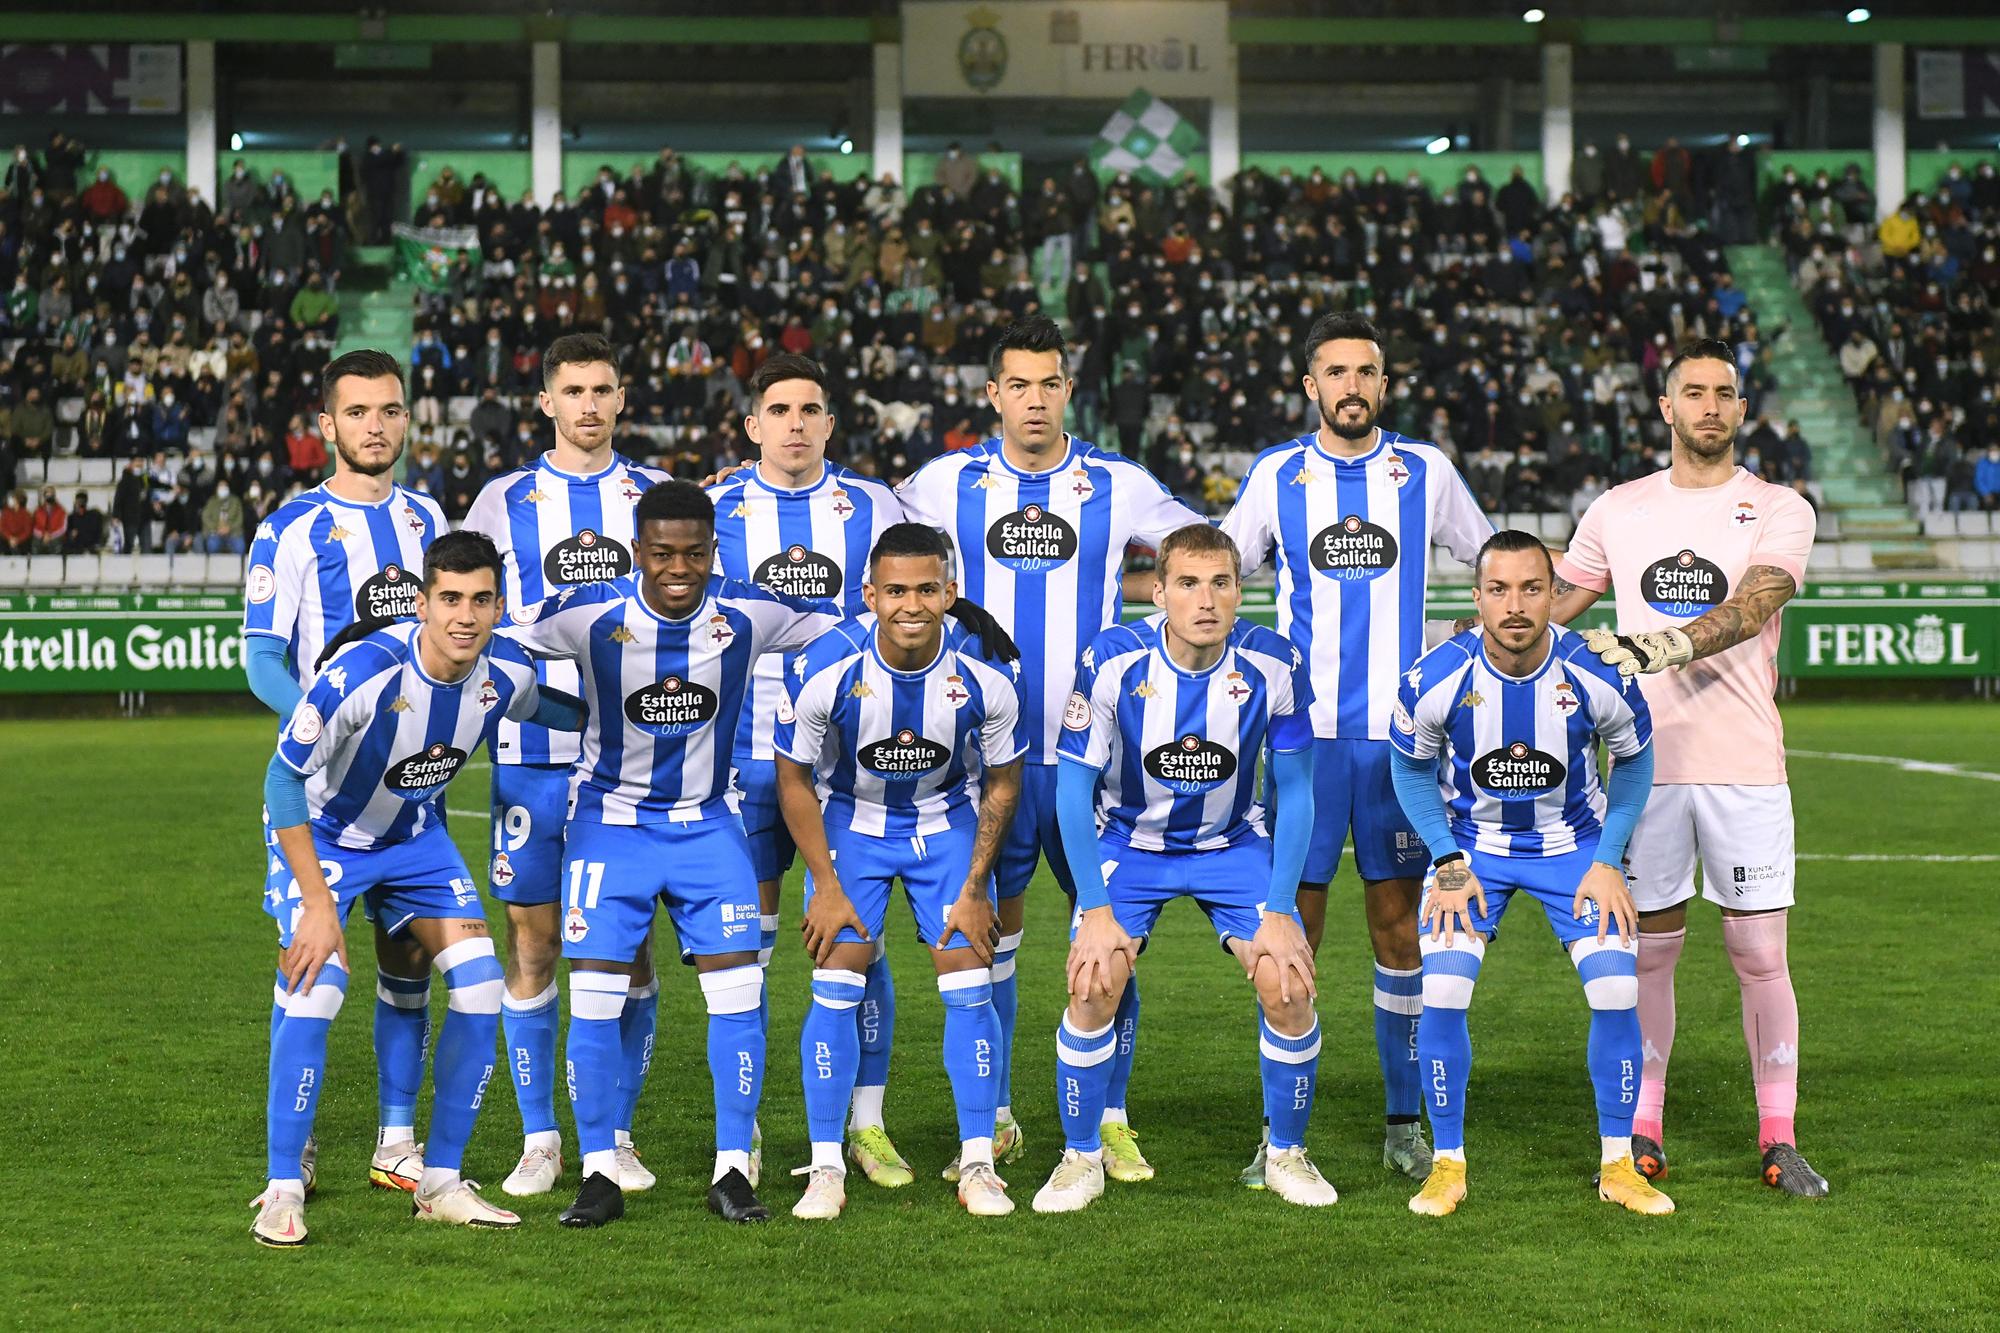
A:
(1353, 549)
(1191, 765)
(1518, 772)
(1031, 540)
(1683, 584)
(673, 707)
(390, 594)
(422, 775)
(904, 755)
(800, 571)
(588, 557)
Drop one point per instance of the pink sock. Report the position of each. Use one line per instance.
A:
(1658, 953)
(1756, 946)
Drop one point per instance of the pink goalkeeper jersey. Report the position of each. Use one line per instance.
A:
(1670, 555)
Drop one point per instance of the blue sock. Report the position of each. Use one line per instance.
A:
(1610, 975)
(1083, 1072)
(1006, 1003)
(1444, 1040)
(465, 1048)
(531, 1053)
(1126, 1025)
(636, 1028)
(877, 1023)
(1399, 1000)
(735, 1052)
(1290, 1066)
(298, 1069)
(402, 1033)
(830, 1051)
(971, 1037)
(596, 1059)
(767, 945)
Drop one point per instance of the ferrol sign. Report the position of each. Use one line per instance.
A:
(1096, 49)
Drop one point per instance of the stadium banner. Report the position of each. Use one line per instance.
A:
(425, 255)
(1099, 49)
(1957, 85)
(105, 643)
(99, 79)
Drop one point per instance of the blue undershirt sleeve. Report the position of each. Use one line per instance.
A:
(1292, 773)
(285, 795)
(1417, 791)
(270, 678)
(1625, 794)
(1076, 819)
(559, 711)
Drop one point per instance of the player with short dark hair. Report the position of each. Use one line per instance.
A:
(347, 550)
(1704, 557)
(1160, 743)
(905, 733)
(796, 523)
(562, 520)
(1495, 734)
(1348, 515)
(1040, 521)
(665, 655)
(355, 798)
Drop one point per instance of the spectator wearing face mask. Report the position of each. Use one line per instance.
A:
(86, 528)
(51, 524)
(222, 522)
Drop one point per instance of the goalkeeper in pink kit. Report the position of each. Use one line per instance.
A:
(1703, 557)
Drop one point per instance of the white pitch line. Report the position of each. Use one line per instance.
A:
(1900, 856)
(1897, 761)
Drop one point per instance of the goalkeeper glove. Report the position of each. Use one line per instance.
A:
(994, 641)
(1634, 654)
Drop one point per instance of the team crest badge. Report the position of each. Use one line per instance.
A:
(1566, 701)
(842, 507)
(400, 704)
(503, 871)
(629, 490)
(1079, 485)
(413, 519)
(489, 694)
(336, 533)
(1745, 513)
(719, 630)
(1397, 472)
(1144, 690)
(574, 926)
(955, 692)
(1236, 689)
(623, 635)
(982, 52)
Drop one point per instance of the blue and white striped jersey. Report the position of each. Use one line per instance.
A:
(320, 563)
(898, 753)
(1044, 552)
(1178, 749)
(376, 738)
(664, 695)
(1517, 755)
(812, 542)
(557, 529)
(1351, 540)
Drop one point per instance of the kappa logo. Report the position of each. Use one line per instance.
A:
(400, 704)
(986, 483)
(1472, 699)
(1784, 1053)
(336, 533)
(1144, 690)
(622, 635)
(861, 689)
(336, 680)
(742, 510)
(536, 496)
(267, 531)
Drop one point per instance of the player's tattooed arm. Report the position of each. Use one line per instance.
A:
(1762, 590)
(999, 794)
(1570, 601)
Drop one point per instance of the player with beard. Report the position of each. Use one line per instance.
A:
(1348, 515)
(562, 520)
(350, 549)
(1703, 557)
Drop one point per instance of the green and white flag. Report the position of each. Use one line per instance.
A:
(1147, 138)
(425, 254)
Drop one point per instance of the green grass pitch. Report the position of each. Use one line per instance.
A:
(134, 980)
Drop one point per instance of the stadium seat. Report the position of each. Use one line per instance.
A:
(1825, 558)
(1975, 523)
(63, 472)
(97, 472)
(45, 571)
(13, 571)
(83, 572)
(117, 571)
(224, 571)
(1856, 555)
(201, 437)
(69, 410)
(1828, 526)
(1982, 556)
(154, 571)
(1940, 525)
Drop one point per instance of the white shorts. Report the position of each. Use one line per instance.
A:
(1742, 835)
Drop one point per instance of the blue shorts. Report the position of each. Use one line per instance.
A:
(771, 848)
(424, 877)
(1352, 792)
(932, 867)
(1550, 880)
(530, 805)
(1032, 833)
(614, 874)
(1230, 885)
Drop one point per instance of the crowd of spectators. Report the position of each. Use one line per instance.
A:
(1908, 308)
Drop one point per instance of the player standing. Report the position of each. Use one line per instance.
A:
(909, 737)
(1040, 521)
(344, 551)
(665, 655)
(1495, 735)
(563, 520)
(1703, 557)
(1160, 744)
(355, 794)
(797, 524)
(1348, 515)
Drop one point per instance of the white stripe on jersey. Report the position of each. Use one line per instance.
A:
(1350, 540)
(1044, 552)
(538, 515)
(1517, 755)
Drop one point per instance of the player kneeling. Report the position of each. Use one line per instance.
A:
(1159, 745)
(906, 732)
(1495, 734)
(356, 798)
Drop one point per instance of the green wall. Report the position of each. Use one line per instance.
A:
(509, 171)
(1771, 164)
(309, 172)
(920, 169)
(1927, 168)
(1443, 172)
(135, 169)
